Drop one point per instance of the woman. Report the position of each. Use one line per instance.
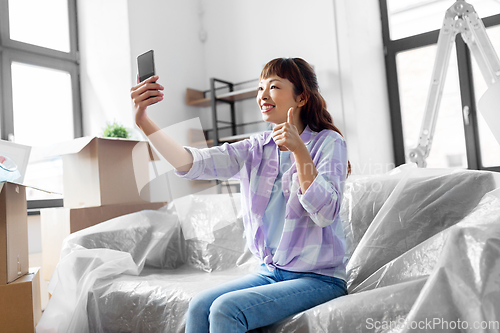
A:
(291, 184)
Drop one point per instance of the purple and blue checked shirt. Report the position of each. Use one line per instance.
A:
(313, 239)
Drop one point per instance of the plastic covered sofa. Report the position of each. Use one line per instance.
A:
(424, 249)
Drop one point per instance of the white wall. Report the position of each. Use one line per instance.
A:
(364, 86)
(104, 57)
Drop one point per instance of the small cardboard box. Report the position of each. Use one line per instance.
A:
(58, 223)
(20, 305)
(13, 232)
(104, 171)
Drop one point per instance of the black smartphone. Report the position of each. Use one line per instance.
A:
(146, 65)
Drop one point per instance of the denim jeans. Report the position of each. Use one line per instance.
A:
(259, 299)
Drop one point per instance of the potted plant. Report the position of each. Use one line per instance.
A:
(116, 130)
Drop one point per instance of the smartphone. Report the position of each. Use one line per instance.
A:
(146, 65)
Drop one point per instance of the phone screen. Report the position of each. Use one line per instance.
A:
(146, 65)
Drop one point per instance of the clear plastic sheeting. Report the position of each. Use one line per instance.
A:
(424, 247)
(446, 283)
(143, 264)
(423, 203)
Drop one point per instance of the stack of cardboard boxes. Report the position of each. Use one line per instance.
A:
(103, 178)
(20, 306)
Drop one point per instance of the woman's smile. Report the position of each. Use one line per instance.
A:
(266, 107)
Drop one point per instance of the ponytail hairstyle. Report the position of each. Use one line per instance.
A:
(314, 113)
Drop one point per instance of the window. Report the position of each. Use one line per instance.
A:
(414, 75)
(410, 33)
(39, 87)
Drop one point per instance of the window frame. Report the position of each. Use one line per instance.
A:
(30, 54)
(393, 47)
(16, 51)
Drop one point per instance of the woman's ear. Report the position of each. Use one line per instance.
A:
(302, 100)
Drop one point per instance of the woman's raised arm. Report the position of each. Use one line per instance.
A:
(143, 95)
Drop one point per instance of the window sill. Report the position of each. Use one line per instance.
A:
(34, 206)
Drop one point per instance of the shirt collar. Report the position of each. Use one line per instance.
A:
(307, 135)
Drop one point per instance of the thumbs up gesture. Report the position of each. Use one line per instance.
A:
(286, 134)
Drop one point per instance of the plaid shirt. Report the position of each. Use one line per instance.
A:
(313, 239)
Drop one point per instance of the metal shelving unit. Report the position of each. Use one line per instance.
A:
(199, 98)
(230, 96)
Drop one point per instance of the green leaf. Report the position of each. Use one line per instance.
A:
(116, 131)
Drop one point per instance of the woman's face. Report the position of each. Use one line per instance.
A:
(275, 97)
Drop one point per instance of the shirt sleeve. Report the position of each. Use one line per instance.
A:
(219, 162)
(323, 197)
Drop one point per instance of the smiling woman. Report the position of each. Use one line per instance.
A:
(305, 190)
(275, 97)
(305, 93)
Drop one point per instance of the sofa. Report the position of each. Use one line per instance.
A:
(423, 248)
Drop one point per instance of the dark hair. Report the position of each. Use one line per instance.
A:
(314, 113)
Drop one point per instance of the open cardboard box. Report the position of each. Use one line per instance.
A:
(104, 171)
(20, 305)
(58, 223)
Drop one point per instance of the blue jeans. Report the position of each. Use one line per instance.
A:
(259, 300)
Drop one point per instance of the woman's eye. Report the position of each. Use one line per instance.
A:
(260, 88)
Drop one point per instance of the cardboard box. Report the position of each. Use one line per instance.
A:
(104, 171)
(58, 223)
(14, 258)
(14, 261)
(20, 306)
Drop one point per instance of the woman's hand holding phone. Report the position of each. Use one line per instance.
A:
(144, 94)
